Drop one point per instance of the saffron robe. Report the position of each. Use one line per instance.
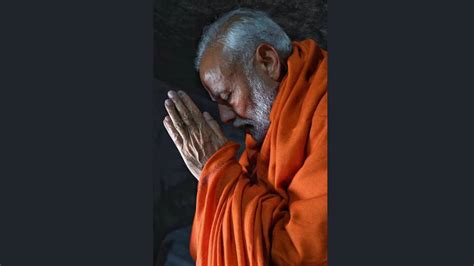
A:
(270, 207)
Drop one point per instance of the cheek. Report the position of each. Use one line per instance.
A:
(243, 105)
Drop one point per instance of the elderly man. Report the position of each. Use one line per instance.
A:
(269, 206)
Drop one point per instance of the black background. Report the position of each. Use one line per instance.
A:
(76, 112)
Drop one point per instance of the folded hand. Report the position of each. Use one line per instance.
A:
(196, 135)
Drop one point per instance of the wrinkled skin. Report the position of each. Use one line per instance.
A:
(196, 135)
(243, 100)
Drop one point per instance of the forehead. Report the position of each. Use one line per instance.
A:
(211, 74)
(211, 71)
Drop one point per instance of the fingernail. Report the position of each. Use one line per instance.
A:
(171, 94)
(181, 93)
(168, 102)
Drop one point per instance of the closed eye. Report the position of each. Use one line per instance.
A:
(225, 96)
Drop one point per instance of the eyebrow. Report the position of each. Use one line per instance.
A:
(212, 97)
(217, 99)
(208, 91)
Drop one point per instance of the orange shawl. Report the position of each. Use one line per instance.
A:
(271, 206)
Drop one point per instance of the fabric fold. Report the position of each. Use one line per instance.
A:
(277, 214)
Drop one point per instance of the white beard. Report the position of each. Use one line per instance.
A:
(262, 99)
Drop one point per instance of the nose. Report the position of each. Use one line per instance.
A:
(226, 113)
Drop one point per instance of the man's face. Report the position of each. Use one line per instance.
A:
(243, 100)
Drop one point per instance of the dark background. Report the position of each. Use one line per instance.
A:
(76, 184)
(177, 28)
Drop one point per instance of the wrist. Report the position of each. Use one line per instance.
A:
(223, 155)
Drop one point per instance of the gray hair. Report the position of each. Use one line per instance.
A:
(240, 31)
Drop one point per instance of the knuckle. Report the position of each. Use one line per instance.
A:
(174, 137)
(201, 124)
(186, 98)
(194, 113)
(186, 119)
(179, 125)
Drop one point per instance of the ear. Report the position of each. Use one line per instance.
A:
(268, 60)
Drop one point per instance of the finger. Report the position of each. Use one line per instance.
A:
(213, 124)
(178, 124)
(183, 111)
(175, 136)
(178, 141)
(193, 109)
